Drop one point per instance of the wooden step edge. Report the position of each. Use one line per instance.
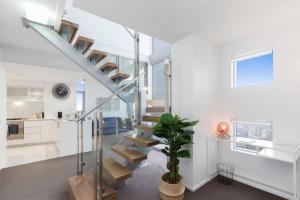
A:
(143, 127)
(120, 75)
(115, 170)
(99, 53)
(85, 39)
(151, 118)
(130, 155)
(155, 102)
(141, 140)
(110, 65)
(69, 24)
(81, 187)
(89, 42)
(155, 109)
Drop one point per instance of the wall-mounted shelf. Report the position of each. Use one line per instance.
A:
(280, 152)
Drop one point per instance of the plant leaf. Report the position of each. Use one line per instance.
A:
(184, 154)
(167, 119)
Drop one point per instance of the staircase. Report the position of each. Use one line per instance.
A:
(80, 50)
(118, 172)
(133, 148)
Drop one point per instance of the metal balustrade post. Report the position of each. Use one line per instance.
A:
(80, 162)
(81, 148)
(78, 150)
(98, 176)
(117, 127)
(168, 79)
(137, 96)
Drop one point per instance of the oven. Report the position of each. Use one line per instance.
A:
(15, 129)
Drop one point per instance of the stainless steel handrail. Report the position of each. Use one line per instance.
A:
(109, 98)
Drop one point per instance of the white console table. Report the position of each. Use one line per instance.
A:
(284, 153)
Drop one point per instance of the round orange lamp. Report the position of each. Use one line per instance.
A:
(223, 129)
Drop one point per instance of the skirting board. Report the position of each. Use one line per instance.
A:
(2, 162)
(196, 187)
(247, 181)
(199, 185)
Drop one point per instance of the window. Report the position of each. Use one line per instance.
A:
(251, 136)
(80, 96)
(252, 69)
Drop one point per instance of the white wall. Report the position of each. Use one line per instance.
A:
(94, 90)
(28, 75)
(2, 111)
(25, 110)
(278, 102)
(33, 76)
(109, 36)
(194, 68)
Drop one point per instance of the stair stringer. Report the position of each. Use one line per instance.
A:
(66, 48)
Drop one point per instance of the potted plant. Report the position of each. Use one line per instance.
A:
(174, 134)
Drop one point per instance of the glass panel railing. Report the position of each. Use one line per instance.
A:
(100, 131)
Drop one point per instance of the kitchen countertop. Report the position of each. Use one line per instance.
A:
(54, 119)
(45, 119)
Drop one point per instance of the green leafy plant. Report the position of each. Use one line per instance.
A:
(174, 134)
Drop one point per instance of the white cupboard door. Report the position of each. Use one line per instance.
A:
(48, 131)
(28, 124)
(32, 133)
(32, 138)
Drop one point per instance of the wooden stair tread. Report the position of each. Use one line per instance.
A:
(68, 23)
(119, 77)
(72, 26)
(96, 53)
(151, 118)
(116, 171)
(81, 187)
(143, 127)
(145, 141)
(88, 43)
(155, 102)
(155, 109)
(130, 155)
(109, 66)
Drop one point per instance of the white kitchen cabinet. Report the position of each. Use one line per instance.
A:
(32, 132)
(32, 138)
(40, 131)
(49, 131)
(32, 123)
(25, 93)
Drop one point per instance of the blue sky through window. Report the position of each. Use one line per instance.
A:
(254, 71)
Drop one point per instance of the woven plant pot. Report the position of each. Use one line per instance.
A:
(171, 191)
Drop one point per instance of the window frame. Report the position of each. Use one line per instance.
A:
(83, 93)
(246, 56)
(234, 146)
(83, 100)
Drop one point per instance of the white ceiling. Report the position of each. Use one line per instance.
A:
(220, 21)
(13, 34)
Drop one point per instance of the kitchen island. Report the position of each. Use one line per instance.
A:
(61, 132)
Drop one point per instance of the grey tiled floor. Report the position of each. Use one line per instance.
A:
(47, 180)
